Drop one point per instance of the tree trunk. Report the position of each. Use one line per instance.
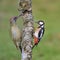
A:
(27, 31)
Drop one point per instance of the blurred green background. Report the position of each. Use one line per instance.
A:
(47, 10)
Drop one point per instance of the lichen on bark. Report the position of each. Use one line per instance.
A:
(27, 31)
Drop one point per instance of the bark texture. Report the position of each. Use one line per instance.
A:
(27, 31)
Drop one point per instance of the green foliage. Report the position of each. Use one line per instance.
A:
(49, 47)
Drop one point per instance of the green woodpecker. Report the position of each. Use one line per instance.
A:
(15, 32)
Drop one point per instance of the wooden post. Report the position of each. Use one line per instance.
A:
(27, 31)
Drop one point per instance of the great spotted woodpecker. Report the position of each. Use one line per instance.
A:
(39, 32)
(15, 32)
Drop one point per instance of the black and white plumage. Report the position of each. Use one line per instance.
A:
(39, 32)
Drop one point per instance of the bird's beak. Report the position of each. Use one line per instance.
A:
(35, 21)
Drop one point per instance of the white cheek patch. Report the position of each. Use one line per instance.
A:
(41, 23)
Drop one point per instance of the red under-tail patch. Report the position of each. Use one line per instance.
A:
(35, 40)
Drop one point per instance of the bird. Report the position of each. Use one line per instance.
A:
(38, 34)
(15, 32)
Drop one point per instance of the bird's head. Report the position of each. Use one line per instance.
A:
(13, 20)
(41, 23)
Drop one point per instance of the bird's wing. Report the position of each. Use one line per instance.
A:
(41, 33)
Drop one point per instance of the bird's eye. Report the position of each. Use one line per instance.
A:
(15, 18)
